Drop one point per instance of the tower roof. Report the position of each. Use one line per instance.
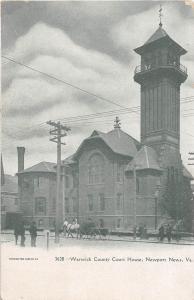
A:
(159, 38)
(158, 34)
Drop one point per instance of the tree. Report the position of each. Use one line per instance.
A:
(176, 199)
(187, 198)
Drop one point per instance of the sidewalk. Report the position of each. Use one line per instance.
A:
(8, 236)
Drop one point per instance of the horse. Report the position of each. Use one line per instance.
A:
(73, 228)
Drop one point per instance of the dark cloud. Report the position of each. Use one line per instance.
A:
(88, 24)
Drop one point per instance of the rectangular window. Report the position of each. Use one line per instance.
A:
(137, 186)
(74, 204)
(119, 173)
(67, 205)
(25, 184)
(16, 201)
(74, 178)
(66, 181)
(54, 204)
(118, 223)
(119, 199)
(38, 181)
(90, 203)
(40, 206)
(102, 202)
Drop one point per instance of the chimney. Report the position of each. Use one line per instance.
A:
(21, 151)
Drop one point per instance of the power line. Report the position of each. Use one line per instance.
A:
(74, 86)
(81, 119)
(84, 118)
(60, 80)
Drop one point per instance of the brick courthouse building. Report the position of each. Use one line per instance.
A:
(114, 179)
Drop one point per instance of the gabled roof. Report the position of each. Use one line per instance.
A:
(117, 140)
(158, 34)
(186, 173)
(146, 158)
(43, 166)
(10, 184)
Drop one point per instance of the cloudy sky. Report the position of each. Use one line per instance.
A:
(89, 45)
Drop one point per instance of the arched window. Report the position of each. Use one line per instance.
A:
(96, 169)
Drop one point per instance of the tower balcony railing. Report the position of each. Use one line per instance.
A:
(149, 67)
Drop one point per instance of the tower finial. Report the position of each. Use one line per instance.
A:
(117, 123)
(160, 15)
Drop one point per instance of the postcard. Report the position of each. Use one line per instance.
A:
(97, 156)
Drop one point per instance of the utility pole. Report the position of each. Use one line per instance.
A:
(191, 158)
(58, 132)
(135, 166)
(135, 198)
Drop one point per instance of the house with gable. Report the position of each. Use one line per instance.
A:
(112, 178)
(121, 182)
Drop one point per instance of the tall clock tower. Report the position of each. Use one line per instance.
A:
(160, 76)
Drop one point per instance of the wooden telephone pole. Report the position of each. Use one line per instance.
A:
(58, 132)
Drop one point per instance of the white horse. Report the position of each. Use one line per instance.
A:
(73, 228)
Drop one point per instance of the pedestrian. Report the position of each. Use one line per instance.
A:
(33, 234)
(16, 231)
(161, 233)
(140, 231)
(145, 232)
(177, 233)
(65, 227)
(135, 232)
(169, 233)
(22, 233)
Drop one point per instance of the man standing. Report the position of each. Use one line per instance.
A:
(33, 234)
(65, 227)
(22, 233)
(161, 233)
(16, 231)
(169, 233)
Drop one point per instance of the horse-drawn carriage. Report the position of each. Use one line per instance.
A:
(87, 229)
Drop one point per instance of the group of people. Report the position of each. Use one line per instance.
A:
(140, 231)
(168, 231)
(19, 230)
(165, 232)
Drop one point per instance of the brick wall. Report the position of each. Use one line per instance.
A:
(34, 186)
